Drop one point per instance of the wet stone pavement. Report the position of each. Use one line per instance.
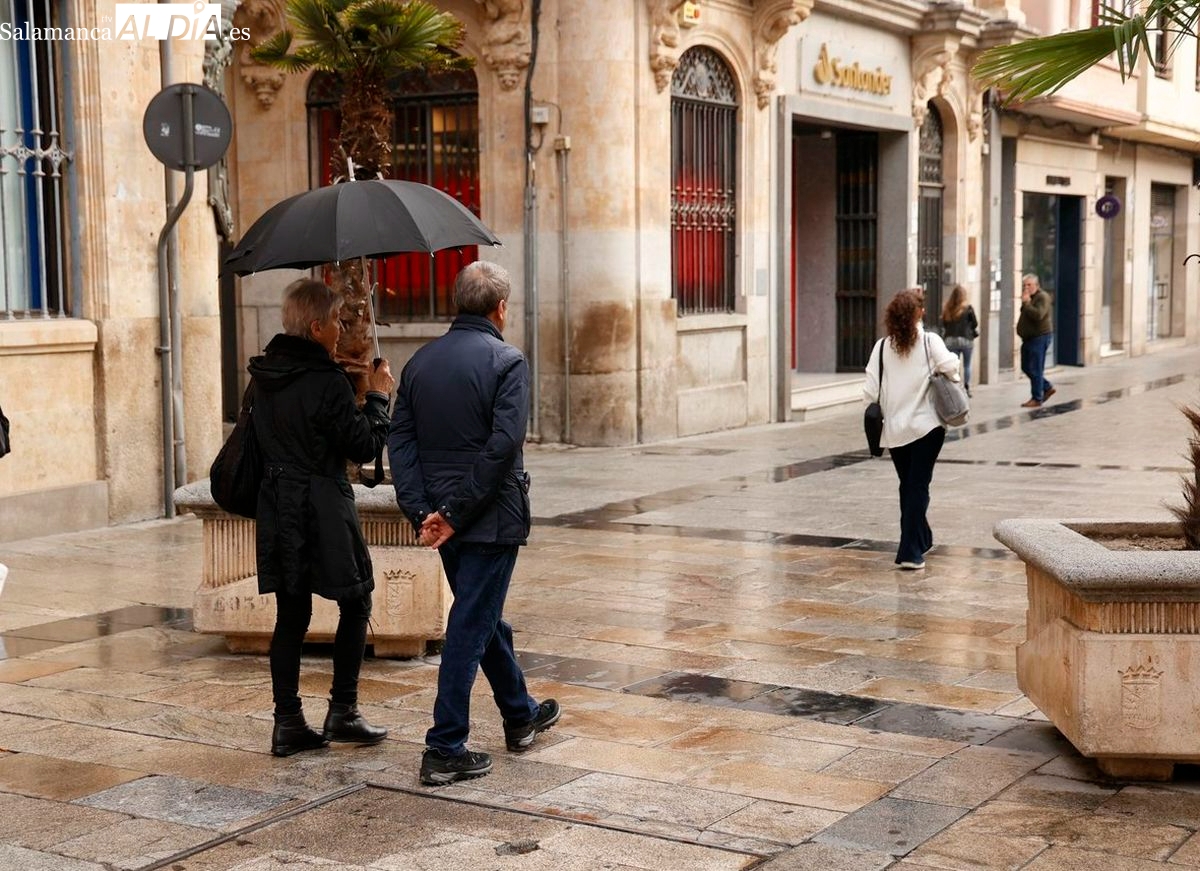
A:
(747, 680)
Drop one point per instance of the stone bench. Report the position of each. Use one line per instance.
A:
(1112, 655)
(411, 598)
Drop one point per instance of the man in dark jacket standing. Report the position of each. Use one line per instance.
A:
(1035, 326)
(455, 442)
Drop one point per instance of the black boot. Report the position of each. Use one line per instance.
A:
(345, 723)
(292, 735)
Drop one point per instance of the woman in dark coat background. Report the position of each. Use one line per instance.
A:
(309, 538)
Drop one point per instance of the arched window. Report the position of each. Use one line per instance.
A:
(930, 262)
(704, 109)
(435, 140)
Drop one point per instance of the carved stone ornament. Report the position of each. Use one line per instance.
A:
(264, 18)
(506, 46)
(974, 110)
(664, 40)
(772, 19)
(931, 77)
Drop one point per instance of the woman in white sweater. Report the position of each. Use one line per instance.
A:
(911, 429)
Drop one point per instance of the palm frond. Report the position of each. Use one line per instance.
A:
(1037, 67)
(375, 13)
(319, 23)
(418, 30)
(275, 52)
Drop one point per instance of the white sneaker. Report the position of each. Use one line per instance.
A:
(912, 566)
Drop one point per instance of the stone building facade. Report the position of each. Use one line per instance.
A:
(705, 207)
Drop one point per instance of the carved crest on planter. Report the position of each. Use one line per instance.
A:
(772, 19)
(506, 45)
(264, 18)
(1141, 696)
(931, 77)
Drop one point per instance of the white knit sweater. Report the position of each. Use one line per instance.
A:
(907, 401)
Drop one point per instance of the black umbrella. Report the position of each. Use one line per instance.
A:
(344, 221)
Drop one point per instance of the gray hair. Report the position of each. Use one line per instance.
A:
(306, 300)
(1030, 276)
(479, 288)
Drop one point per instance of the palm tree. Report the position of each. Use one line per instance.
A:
(1038, 67)
(366, 43)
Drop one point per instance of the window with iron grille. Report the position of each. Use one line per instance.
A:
(704, 108)
(33, 167)
(435, 140)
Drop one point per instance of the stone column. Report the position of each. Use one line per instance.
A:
(619, 254)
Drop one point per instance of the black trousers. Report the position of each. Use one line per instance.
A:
(914, 467)
(292, 616)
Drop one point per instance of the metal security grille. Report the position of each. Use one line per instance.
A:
(33, 167)
(704, 109)
(435, 140)
(857, 217)
(929, 215)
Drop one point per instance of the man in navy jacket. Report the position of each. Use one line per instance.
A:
(455, 442)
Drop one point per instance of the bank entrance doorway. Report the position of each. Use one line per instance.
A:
(835, 239)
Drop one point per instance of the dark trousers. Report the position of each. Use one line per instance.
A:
(292, 616)
(477, 638)
(914, 467)
(1033, 364)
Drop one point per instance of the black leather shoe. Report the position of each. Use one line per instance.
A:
(345, 723)
(293, 735)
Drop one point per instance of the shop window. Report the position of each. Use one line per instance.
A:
(33, 168)
(704, 109)
(435, 140)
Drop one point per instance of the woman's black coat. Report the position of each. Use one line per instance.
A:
(308, 426)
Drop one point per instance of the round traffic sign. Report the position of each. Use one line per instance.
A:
(163, 126)
(1108, 206)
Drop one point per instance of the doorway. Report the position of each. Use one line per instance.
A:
(931, 267)
(1052, 249)
(1162, 261)
(1112, 278)
(835, 202)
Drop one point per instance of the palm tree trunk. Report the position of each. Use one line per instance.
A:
(366, 138)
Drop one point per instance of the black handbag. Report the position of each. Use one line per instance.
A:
(5, 444)
(236, 474)
(873, 416)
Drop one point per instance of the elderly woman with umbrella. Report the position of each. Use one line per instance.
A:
(308, 536)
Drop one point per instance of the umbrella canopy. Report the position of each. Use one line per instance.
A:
(356, 219)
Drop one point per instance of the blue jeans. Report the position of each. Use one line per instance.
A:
(1033, 364)
(477, 637)
(914, 467)
(965, 355)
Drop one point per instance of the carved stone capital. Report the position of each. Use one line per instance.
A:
(506, 45)
(931, 76)
(664, 39)
(263, 18)
(772, 19)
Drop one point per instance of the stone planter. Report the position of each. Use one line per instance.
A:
(411, 598)
(1112, 655)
